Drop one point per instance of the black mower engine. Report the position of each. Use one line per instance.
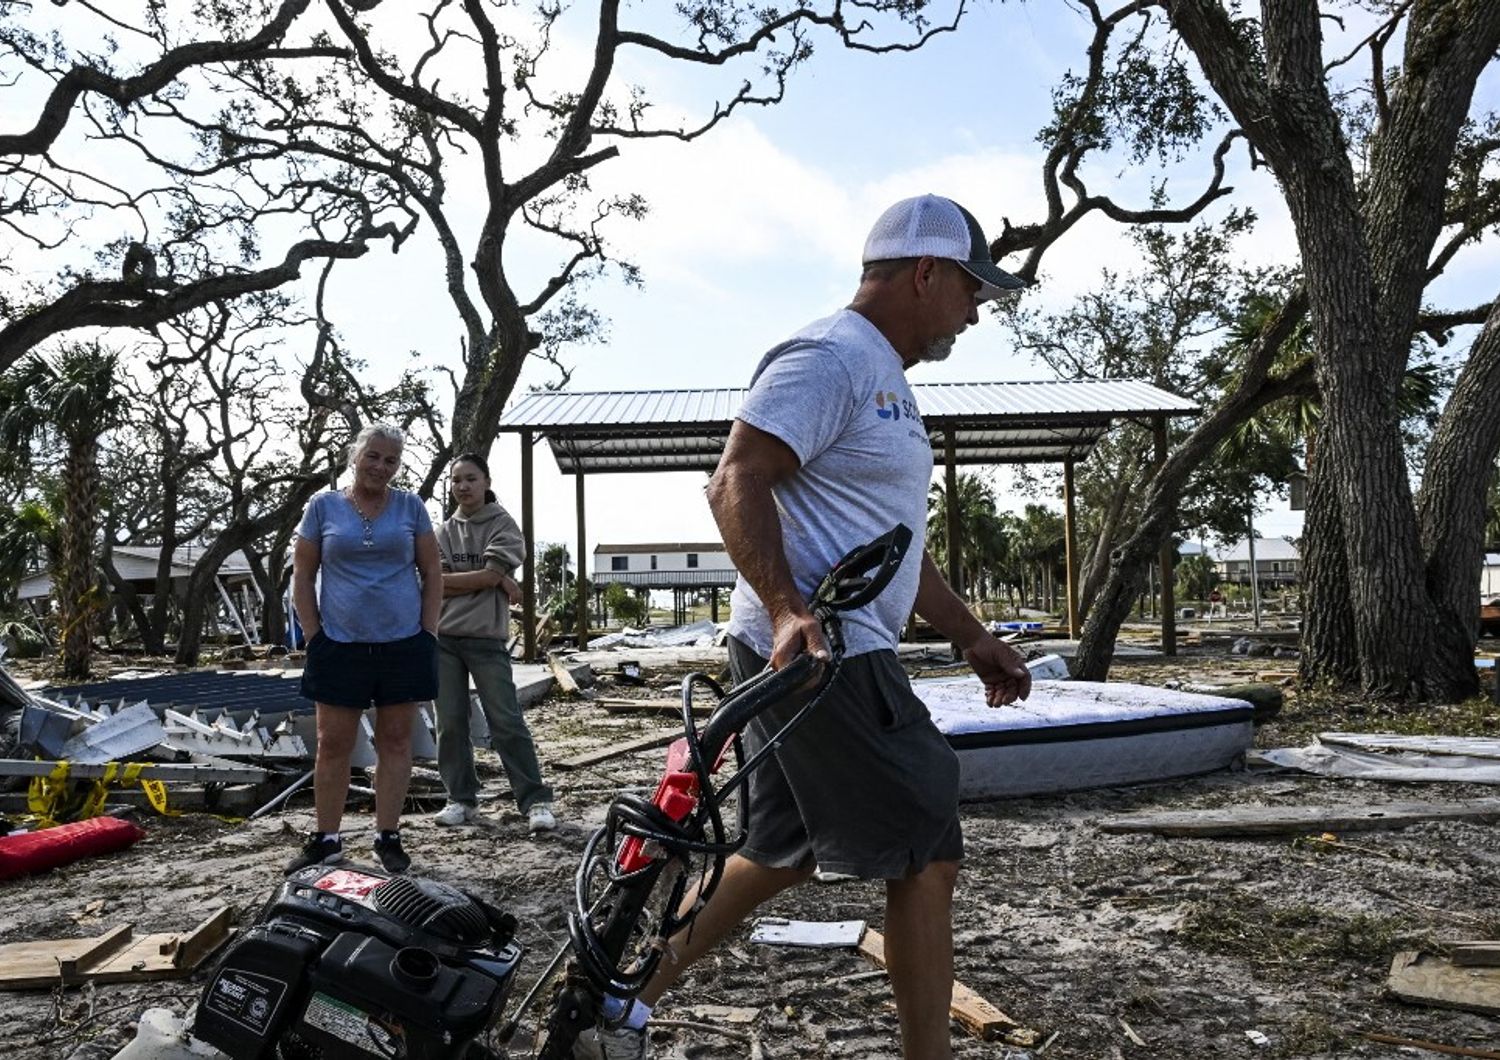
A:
(348, 962)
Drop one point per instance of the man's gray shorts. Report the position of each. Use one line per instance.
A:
(866, 785)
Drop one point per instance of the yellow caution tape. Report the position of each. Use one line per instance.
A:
(93, 802)
(47, 797)
(44, 794)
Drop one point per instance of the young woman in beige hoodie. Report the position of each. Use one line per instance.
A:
(480, 547)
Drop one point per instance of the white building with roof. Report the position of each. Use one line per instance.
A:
(664, 565)
(1277, 562)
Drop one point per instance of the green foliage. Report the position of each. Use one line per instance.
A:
(557, 587)
(553, 571)
(1149, 103)
(1196, 576)
(28, 541)
(626, 604)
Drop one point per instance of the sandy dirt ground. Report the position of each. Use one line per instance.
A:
(1108, 946)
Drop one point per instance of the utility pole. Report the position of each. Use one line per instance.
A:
(1254, 574)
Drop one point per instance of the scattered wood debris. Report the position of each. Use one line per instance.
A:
(1475, 954)
(613, 705)
(642, 743)
(114, 957)
(1426, 979)
(978, 1016)
(1289, 820)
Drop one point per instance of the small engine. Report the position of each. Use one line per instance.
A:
(348, 963)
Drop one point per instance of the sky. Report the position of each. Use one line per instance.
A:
(755, 229)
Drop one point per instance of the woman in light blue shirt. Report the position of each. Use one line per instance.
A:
(371, 624)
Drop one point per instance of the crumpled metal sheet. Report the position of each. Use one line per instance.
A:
(1394, 757)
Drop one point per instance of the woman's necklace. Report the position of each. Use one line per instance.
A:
(368, 539)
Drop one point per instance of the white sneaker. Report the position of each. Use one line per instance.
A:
(539, 818)
(455, 813)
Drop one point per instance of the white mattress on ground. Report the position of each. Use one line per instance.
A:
(1073, 735)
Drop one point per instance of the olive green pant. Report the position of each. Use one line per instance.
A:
(488, 663)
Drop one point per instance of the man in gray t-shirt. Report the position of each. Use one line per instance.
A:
(829, 452)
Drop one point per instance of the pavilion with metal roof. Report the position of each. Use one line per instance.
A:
(968, 423)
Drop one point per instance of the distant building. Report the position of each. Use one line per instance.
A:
(1277, 562)
(240, 598)
(687, 568)
(137, 565)
(667, 565)
(1489, 576)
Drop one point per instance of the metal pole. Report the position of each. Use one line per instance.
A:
(1168, 603)
(1071, 544)
(293, 788)
(234, 612)
(955, 527)
(528, 575)
(1254, 574)
(582, 607)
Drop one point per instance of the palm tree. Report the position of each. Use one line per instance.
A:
(983, 538)
(71, 399)
(27, 535)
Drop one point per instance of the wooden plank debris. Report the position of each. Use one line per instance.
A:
(978, 1016)
(114, 957)
(1475, 954)
(641, 743)
(614, 705)
(1425, 979)
(1284, 820)
(565, 683)
(94, 951)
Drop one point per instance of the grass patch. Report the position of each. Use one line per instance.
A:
(1250, 928)
(1310, 1035)
(1309, 711)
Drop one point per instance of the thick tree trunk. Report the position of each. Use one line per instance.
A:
(1451, 505)
(1096, 567)
(1329, 655)
(1365, 255)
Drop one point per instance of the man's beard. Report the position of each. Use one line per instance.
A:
(939, 349)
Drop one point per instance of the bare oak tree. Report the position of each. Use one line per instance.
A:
(1382, 197)
(430, 89)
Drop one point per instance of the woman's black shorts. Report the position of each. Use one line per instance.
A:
(359, 675)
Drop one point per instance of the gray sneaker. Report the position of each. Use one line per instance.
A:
(620, 1043)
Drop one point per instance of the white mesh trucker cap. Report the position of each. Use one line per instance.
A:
(932, 226)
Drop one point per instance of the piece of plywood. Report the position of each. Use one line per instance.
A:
(1425, 979)
(978, 1016)
(114, 957)
(642, 743)
(1284, 820)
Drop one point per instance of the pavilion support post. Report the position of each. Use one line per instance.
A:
(581, 609)
(713, 604)
(528, 533)
(1070, 543)
(955, 528)
(1168, 603)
